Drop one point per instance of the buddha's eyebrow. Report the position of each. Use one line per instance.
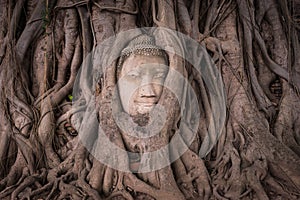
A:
(161, 69)
(135, 70)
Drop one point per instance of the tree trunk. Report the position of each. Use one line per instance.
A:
(47, 48)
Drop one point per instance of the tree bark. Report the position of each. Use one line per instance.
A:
(47, 47)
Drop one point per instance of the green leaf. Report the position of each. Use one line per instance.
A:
(70, 97)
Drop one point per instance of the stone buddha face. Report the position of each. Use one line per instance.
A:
(140, 84)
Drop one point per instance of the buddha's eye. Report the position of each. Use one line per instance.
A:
(133, 74)
(159, 75)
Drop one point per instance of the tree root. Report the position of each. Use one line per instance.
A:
(186, 187)
(28, 181)
(9, 182)
(197, 173)
(131, 181)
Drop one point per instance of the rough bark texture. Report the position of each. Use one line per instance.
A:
(254, 43)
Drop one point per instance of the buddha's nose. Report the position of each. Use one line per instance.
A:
(146, 88)
(147, 91)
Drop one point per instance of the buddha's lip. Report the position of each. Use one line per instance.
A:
(146, 103)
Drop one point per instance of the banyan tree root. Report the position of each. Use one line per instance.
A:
(196, 174)
(70, 178)
(193, 184)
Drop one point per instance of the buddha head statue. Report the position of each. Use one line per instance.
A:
(142, 69)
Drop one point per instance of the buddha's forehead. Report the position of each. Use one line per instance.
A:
(141, 61)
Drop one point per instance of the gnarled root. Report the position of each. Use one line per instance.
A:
(196, 174)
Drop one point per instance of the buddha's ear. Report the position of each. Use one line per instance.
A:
(118, 72)
(98, 89)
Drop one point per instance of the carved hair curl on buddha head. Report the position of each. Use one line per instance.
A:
(141, 45)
